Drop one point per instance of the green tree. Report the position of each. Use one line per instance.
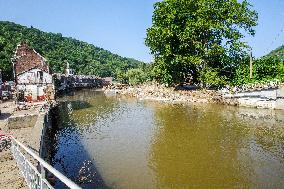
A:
(121, 77)
(211, 78)
(188, 36)
(136, 76)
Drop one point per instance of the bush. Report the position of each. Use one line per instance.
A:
(136, 76)
(133, 76)
(211, 78)
(267, 68)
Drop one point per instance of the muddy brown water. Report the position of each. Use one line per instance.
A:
(118, 142)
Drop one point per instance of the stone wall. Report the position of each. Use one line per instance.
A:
(264, 98)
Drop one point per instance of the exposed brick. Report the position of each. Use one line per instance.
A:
(27, 58)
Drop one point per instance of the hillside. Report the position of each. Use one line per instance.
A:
(83, 57)
(277, 53)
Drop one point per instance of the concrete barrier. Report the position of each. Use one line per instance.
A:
(265, 98)
(22, 121)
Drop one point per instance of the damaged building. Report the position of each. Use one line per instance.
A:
(32, 75)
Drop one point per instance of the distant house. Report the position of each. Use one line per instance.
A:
(32, 75)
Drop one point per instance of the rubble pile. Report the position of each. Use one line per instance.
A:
(162, 93)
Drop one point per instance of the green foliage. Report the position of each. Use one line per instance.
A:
(266, 68)
(280, 75)
(83, 57)
(242, 74)
(161, 73)
(187, 35)
(121, 77)
(212, 78)
(136, 76)
(278, 53)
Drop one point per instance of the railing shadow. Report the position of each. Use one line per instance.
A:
(4, 116)
(183, 87)
(68, 155)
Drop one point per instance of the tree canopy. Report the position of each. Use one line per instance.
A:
(83, 57)
(189, 38)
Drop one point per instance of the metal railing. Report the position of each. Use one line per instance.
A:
(36, 179)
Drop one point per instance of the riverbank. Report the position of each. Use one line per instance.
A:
(26, 126)
(166, 94)
(259, 98)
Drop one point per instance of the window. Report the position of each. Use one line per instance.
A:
(40, 76)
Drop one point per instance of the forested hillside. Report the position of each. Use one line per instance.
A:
(279, 53)
(83, 57)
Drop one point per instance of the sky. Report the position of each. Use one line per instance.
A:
(120, 25)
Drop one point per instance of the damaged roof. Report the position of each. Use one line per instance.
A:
(26, 58)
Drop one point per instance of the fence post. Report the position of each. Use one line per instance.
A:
(42, 175)
(30, 172)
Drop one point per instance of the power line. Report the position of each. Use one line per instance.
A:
(278, 34)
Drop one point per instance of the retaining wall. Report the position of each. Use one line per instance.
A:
(265, 98)
(22, 121)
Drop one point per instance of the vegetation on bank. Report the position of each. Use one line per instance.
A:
(83, 57)
(264, 69)
(201, 41)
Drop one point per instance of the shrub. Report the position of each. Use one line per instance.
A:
(266, 68)
(211, 78)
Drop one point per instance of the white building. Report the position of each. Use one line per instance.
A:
(32, 75)
(68, 70)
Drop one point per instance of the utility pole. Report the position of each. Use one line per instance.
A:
(250, 66)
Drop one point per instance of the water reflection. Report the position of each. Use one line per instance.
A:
(140, 144)
(214, 147)
(198, 148)
(85, 107)
(70, 157)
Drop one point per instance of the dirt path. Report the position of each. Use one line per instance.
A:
(10, 176)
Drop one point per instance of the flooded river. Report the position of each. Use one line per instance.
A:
(118, 142)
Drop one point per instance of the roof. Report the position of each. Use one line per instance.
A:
(26, 58)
